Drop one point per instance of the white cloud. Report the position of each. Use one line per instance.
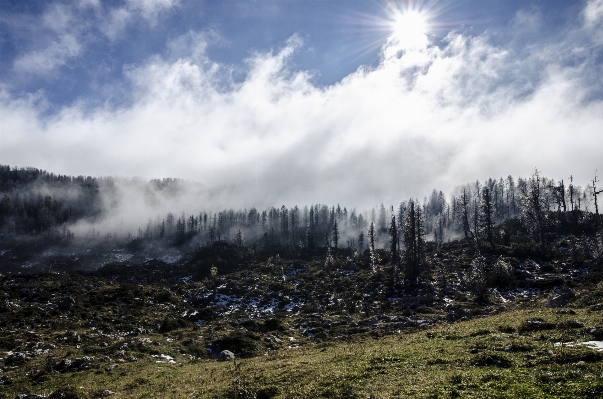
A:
(119, 17)
(593, 12)
(58, 40)
(432, 117)
(62, 33)
(57, 53)
(593, 19)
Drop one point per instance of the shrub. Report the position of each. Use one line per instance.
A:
(475, 279)
(245, 344)
(487, 360)
(535, 324)
(167, 325)
(501, 275)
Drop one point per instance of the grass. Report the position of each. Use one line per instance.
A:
(491, 357)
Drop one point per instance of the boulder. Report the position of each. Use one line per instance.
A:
(456, 314)
(66, 303)
(561, 299)
(82, 363)
(595, 332)
(226, 355)
(62, 365)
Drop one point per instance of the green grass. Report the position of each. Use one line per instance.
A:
(491, 357)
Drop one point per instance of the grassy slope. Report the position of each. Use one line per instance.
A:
(510, 361)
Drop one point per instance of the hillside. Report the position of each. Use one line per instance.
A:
(469, 297)
(323, 327)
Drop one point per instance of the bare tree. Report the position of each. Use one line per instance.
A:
(487, 215)
(535, 205)
(595, 194)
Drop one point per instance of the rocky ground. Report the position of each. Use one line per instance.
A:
(64, 321)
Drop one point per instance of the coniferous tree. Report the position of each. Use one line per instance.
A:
(413, 241)
(360, 241)
(239, 241)
(382, 219)
(571, 192)
(180, 230)
(487, 215)
(394, 242)
(335, 234)
(465, 211)
(310, 231)
(371, 238)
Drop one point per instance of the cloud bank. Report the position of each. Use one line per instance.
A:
(435, 116)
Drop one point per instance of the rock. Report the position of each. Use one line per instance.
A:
(596, 332)
(82, 363)
(112, 367)
(573, 324)
(456, 314)
(16, 359)
(66, 303)
(62, 365)
(104, 393)
(561, 299)
(226, 355)
(557, 301)
(139, 331)
(273, 338)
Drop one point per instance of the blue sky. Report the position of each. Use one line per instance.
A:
(303, 101)
(339, 36)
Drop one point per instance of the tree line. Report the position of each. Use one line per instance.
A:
(495, 212)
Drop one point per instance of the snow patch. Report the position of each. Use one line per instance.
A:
(597, 345)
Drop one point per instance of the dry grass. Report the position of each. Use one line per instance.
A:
(483, 358)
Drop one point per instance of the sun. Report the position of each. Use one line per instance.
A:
(410, 28)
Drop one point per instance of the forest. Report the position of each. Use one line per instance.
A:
(470, 293)
(522, 214)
